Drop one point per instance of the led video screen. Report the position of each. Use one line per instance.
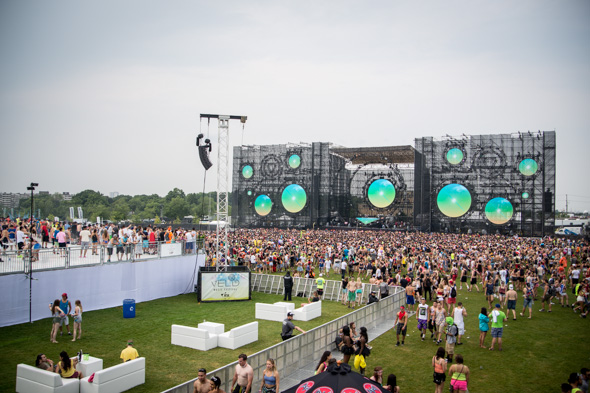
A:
(454, 200)
(294, 198)
(263, 205)
(381, 193)
(499, 211)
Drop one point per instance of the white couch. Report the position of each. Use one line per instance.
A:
(31, 379)
(239, 336)
(192, 337)
(271, 312)
(116, 379)
(308, 312)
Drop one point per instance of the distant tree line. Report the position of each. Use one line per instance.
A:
(171, 208)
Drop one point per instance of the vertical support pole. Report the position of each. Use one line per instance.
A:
(222, 191)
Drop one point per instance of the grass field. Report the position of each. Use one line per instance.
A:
(538, 354)
(105, 334)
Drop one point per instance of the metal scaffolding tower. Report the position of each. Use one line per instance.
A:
(223, 170)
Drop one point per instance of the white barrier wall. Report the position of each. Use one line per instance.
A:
(97, 287)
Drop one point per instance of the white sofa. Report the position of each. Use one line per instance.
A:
(116, 379)
(271, 312)
(308, 312)
(192, 337)
(31, 379)
(239, 336)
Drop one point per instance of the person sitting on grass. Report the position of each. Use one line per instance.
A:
(377, 375)
(392, 384)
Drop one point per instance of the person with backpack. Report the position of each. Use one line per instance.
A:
(548, 293)
(452, 299)
(528, 301)
(452, 331)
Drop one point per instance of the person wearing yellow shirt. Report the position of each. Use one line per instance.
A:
(129, 353)
(320, 282)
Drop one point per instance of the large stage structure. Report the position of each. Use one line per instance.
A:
(501, 183)
(319, 184)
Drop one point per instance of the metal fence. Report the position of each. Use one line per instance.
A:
(302, 349)
(304, 287)
(14, 261)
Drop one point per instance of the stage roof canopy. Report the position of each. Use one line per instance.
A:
(382, 155)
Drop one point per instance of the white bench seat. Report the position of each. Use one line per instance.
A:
(192, 337)
(239, 336)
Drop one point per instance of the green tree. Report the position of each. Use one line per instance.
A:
(120, 210)
(176, 193)
(177, 208)
(88, 198)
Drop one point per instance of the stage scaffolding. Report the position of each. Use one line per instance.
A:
(320, 174)
(519, 169)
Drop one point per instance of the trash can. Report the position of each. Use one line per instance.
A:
(129, 308)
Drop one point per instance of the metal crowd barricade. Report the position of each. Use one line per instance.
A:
(274, 284)
(302, 349)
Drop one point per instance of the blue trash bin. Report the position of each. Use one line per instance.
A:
(129, 308)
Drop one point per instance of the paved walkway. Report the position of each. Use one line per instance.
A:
(307, 371)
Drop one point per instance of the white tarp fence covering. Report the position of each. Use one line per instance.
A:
(97, 287)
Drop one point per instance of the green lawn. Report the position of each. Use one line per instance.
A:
(538, 354)
(105, 334)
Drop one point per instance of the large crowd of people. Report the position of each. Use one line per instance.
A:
(431, 267)
(120, 241)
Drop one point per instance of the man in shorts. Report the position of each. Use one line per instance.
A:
(320, 282)
(410, 297)
(401, 322)
(497, 318)
(511, 297)
(243, 376)
(451, 333)
(84, 241)
(66, 306)
(422, 317)
(528, 301)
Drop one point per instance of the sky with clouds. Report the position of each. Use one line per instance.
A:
(106, 95)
